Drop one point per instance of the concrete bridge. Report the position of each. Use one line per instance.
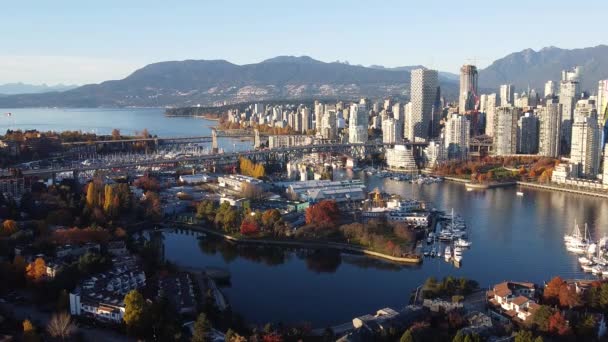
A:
(284, 153)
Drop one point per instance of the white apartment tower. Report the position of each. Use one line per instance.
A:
(423, 93)
(506, 95)
(468, 88)
(357, 123)
(391, 132)
(505, 130)
(602, 101)
(456, 136)
(549, 130)
(569, 90)
(586, 149)
(549, 89)
(490, 110)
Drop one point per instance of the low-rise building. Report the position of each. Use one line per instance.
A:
(101, 296)
(514, 300)
(194, 179)
(235, 182)
(179, 289)
(76, 250)
(318, 190)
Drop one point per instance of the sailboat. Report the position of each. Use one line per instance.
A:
(575, 236)
(578, 245)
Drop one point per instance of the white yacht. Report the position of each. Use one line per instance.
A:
(575, 236)
(585, 261)
(447, 253)
(457, 254)
(462, 243)
(587, 268)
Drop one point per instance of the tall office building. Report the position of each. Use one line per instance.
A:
(550, 89)
(408, 131)
(423, 93)
(357, 123)
(527, 134)
(391, 131)
(456, 136)
(602, 101)
(468, 88)
(569, 91)
(549, 129)
(505, 130)
(306, 119)
(586, 149)
(506, 95)
(490, 110)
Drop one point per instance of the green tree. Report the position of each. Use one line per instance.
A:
(541, 318)
(524, 336)
(202, 328)
(459, 337)
(134, 310)
(407, 336)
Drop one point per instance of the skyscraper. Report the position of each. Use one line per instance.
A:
(506, 95)
(391, 132)
(549, 88)
(569, 90)
(602, 101)
(468, 88)
(423, 93)
(490, 110)
(306, 119)
(527, 134)
(505, 130)
(586, 149)
(357, 123)
(319, 112)
(328, 124)
(456, 136)
(549, 129)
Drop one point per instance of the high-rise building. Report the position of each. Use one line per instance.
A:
(605, 171)
(357, 123)
(319, 112)
(585, 108)
(306, 119)
(550, 89)
(423, 93)
(602, 101)
(408, 131)
(569, 91)
(549, 129)
(391, 131)
(400, 157)
(506, 95)
(490, 110)
(505, 130)
(468, 88)
(586, 149)
(328, 124)
(527, 134)
(456, 136)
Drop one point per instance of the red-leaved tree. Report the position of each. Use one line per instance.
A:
(249, 227)
(324, 213)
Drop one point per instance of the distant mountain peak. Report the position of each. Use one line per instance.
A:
(291, 59)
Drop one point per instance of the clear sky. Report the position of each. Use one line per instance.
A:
(67, 41)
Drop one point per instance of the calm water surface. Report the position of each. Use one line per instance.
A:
(104, 120)
(519, 238)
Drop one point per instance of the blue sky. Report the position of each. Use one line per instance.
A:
(91, 41)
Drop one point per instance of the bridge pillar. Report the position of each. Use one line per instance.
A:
(214, 148)
(256, 139)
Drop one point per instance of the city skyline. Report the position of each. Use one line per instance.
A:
(94, 44)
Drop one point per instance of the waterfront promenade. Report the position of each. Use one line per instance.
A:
(414, 259)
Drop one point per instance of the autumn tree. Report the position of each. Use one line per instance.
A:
(249, 226)
(147, 183)
(205, 210)
(251, 191)
(36, 270)
(9, 227)
(568, 298)
(29, 332)
(324, 213)
(270, 217)
(134, 310)
(115, 134)
(558, 324)
(61, 326)
(551, 293)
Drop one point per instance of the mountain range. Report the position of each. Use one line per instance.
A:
(534, 68)
(212, 82)
(23, 88)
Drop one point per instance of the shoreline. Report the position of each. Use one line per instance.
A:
(475, 186)
(307, 244)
